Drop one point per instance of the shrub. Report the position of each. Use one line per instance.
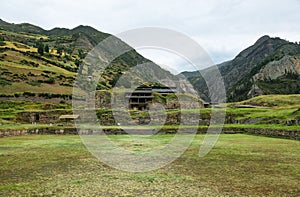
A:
(28, 94)
(49, 72)
(44, 75)
(6, 95)
(34, 83)
(50, 95)
(51, 80)
(17, 95)
(29, 63)
(31, 74)
(4, 82)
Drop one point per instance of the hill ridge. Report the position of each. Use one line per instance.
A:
(21, 27)
(238, 72)
(47, 60)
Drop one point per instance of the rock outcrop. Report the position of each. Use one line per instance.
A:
(276, 69)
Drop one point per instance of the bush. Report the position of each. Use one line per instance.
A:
(45, 75)
(4, 82)
(28, 94)
(29, 63)
(31, 74)
(2, 56)
(50, 95)
(34, 83)
(6, 95)
(17, 95)
(51, 80)
(49, 72)
(45, 95)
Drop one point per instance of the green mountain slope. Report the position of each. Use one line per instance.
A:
(41, 61)
(270, 66)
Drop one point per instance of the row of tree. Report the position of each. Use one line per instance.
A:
(43, 48)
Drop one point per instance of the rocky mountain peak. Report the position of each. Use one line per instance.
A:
(272, 58)
(262, 39)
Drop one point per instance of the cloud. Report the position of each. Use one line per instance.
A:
(222, 27)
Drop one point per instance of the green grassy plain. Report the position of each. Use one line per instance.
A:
(239, 165)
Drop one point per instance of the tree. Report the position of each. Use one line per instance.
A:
(78, 62)
(41, 49)
(59, 50)
(47, 48)
(2, 43)
(81, 54)
(69, 50)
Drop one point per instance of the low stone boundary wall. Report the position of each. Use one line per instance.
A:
(8, 132)
(294, 134)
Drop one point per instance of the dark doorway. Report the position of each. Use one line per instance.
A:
(37, 117)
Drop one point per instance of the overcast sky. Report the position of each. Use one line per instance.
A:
(222, 27)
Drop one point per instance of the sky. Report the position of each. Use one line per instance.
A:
(223, 28)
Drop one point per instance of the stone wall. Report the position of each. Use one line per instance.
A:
(295, 134)
(292, 134)
(49, 130)
(35, 99)
(49, 116)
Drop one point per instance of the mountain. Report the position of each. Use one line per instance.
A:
(23, 27)
(36, 61)
(269, 66)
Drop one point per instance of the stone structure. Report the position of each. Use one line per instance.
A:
(141, 97)
(71, 118)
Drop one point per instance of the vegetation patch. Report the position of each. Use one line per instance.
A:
(4, 82)
(34, 83)
(239, 165)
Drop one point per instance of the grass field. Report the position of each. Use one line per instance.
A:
(239, 165)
